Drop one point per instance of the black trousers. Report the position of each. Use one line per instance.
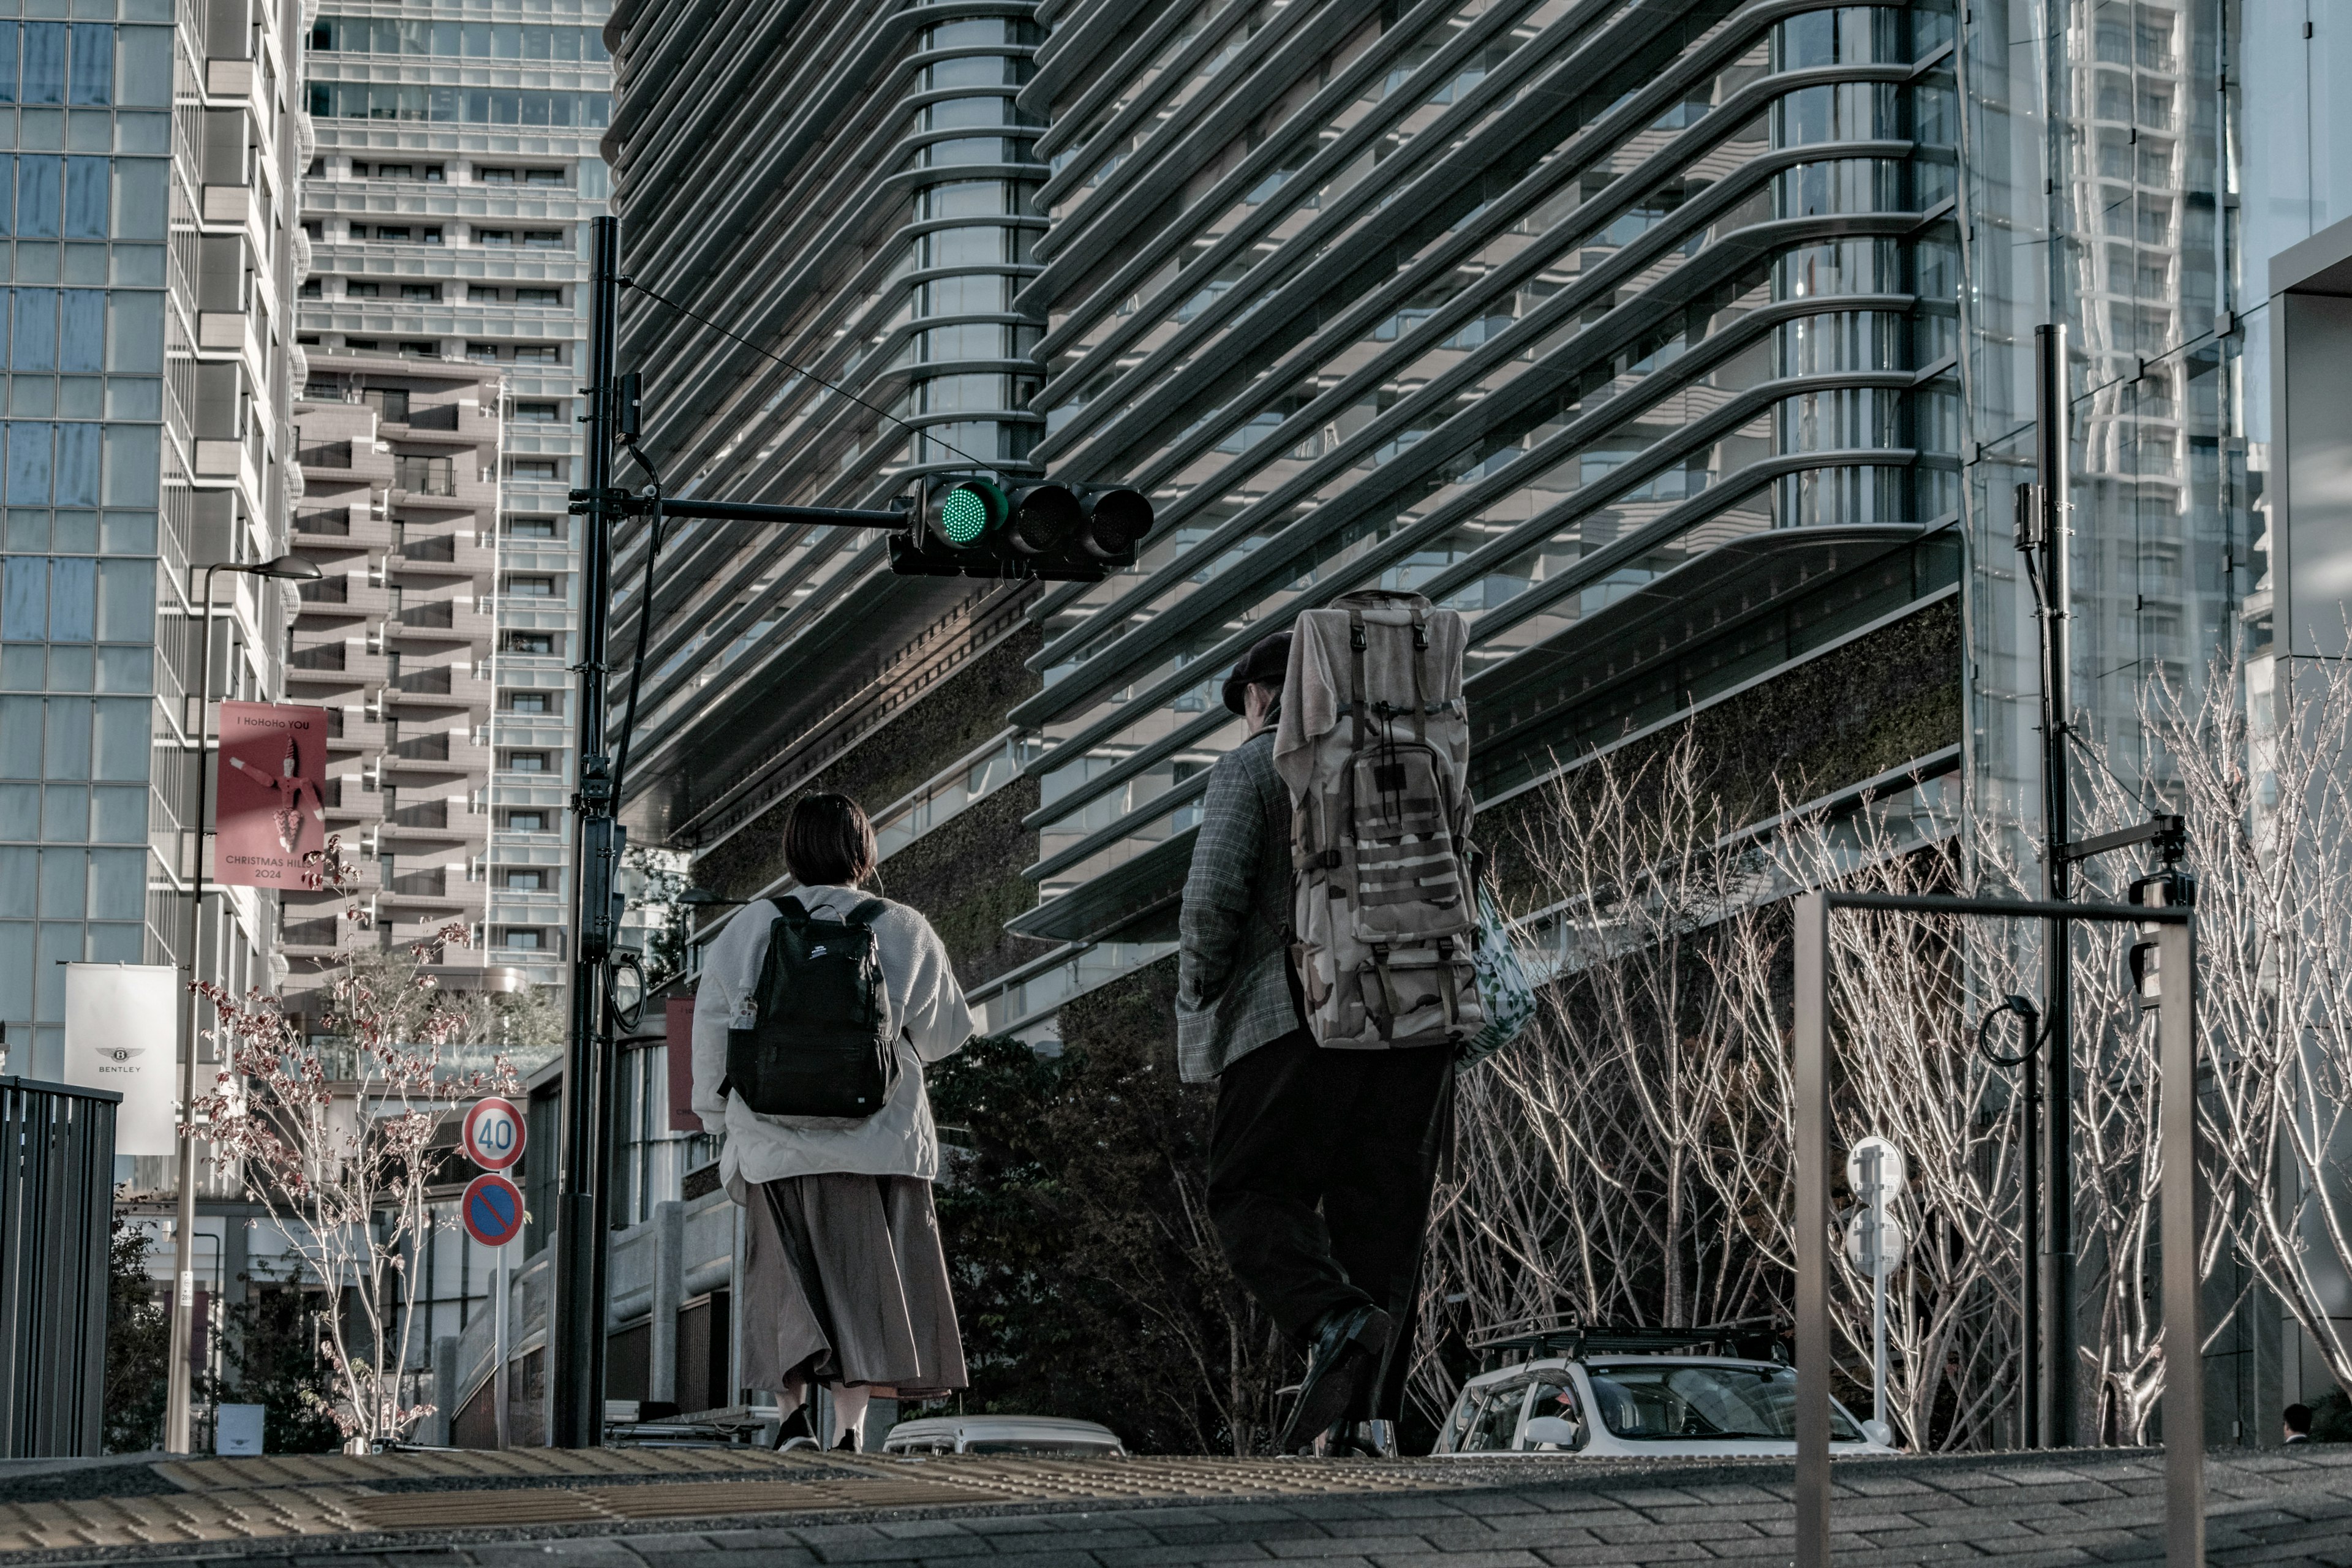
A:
(1320, 1166)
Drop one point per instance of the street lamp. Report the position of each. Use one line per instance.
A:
(177, 1413)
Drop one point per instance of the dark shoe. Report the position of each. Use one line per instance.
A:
(1343, 1354)
(796, 1425)
(848, 1444)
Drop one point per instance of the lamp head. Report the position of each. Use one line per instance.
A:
(293, 568)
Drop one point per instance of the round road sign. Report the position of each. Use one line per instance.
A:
(492, 1208)
(493, 1134)
(1894, 1171)
(1892, 1242)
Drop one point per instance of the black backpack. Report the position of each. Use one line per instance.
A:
(819, 1041)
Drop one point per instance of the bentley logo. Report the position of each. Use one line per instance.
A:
(121, 1054)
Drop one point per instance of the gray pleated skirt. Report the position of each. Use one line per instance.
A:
(845, 1282)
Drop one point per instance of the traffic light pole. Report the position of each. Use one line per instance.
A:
(584, 1195)
(583, 1199)
(1049, 531)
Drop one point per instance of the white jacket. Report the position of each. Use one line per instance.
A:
(927, 1012)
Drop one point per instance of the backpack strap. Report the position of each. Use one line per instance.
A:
(867, 911)
(1420, 657)
(1356, 671)
(790, 911)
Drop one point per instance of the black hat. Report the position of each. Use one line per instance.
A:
(1265, 664)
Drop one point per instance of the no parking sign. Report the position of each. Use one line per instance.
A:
(492, 1208)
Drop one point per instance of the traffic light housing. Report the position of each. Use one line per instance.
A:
(2173, 887)
(976, 527)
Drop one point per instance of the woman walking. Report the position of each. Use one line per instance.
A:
(845, 1283)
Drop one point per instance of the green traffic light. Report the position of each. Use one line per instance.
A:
(970, 511)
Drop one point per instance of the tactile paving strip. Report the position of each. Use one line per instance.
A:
(684, 1499)
(166, 1520)
(473, 1465)
(332, 1494)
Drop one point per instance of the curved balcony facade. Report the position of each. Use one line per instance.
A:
(1519, 306)
(851, 193)
(1522, 305)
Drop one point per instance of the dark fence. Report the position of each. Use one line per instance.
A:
(56, 1196)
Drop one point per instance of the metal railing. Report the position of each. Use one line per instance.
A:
(423, 475)
(56, 1196)
(322, 655)
(2183, 1398)
(326, 455)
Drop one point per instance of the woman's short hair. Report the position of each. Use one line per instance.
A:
(828, 842)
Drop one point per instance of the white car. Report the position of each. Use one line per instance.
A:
(1032, 1435)
(1646, 1405)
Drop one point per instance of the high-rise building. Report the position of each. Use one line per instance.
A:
(1683, 346)
(400, 467)
(152, 153)
(446, 206)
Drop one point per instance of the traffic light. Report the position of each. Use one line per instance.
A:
(978, 528)
(2171, 887)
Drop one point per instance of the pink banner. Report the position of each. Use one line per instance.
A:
(269, 787)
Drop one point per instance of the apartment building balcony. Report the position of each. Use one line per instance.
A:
(323, 523)
(328, 660)
(443, 754)
(325, 455)
(234, 332)
(450, 553)
(222, 462)
(320, 931)
(442, 887)
(433, 821)
(440, 621)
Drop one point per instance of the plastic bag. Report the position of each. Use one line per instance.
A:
(1504, 986)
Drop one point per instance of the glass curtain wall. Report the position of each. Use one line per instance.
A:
(2102, 191)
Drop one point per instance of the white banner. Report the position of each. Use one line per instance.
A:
(123, 1033)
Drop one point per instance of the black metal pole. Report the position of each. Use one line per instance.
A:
(2058, 1326)
(583, 1204)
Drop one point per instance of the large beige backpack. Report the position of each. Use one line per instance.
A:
(1374, 746)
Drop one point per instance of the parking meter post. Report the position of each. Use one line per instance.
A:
(1812, 1218)
(1876, 1177)
(2184, 1349)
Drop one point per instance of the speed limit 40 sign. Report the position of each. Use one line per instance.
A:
(493, 1134)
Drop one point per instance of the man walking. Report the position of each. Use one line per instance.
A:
(1320, 1161)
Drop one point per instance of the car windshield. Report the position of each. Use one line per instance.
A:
(1681, 1402)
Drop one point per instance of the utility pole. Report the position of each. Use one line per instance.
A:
(2050, 410)
(582, 1201)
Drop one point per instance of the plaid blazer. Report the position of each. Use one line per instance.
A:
(1233, 971)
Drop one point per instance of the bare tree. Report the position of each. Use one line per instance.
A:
(2267, 789)
(1627, 1159)
(343, 1170)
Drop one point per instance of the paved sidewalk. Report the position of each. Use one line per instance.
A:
(2291, 1509)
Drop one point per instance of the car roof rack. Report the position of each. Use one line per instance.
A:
(1528, 1339)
